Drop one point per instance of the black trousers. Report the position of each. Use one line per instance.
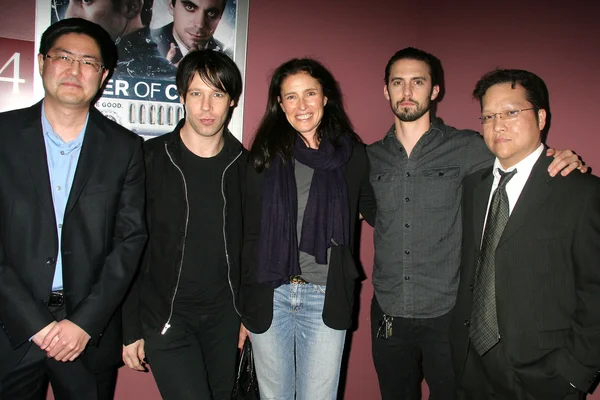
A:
(196, 357)
(70, 380)
(492, 377)
(418, 347)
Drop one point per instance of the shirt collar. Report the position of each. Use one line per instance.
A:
(434, 127)
(56, 140)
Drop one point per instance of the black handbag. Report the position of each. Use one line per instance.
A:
(246, 385)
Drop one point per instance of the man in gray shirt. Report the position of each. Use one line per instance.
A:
(417, 171)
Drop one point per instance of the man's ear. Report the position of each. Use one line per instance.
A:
(435, 91)
(541, 119)
(41, 60)
(386, 93)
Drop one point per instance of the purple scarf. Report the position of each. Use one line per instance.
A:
(326, 221)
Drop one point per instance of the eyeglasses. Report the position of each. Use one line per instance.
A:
(508, 115)
(62, 60)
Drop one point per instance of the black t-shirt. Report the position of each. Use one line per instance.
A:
(204, 284)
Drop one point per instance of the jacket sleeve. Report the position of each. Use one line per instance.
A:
(367, 205)
(21, 316)
(579, 361)
(120, 265)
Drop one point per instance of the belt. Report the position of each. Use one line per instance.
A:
(56, 299)
(298, 280)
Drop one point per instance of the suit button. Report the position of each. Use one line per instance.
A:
(50, 261)
(471, 287)
(467, 322)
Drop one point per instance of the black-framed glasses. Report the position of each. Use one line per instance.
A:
(64, 60)
(507, 115)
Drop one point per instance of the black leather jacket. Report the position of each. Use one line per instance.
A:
(152, 296)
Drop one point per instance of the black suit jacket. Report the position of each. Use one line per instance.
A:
(547, 280)
(163, 37)
(103, 234)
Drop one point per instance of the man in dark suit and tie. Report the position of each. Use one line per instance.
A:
(526, 323)
(193, 28)
(71, 225)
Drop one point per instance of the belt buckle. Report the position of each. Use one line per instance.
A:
(57, 299)
(298, 280)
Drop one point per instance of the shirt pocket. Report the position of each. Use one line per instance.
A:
(440, 187)
(383, 186)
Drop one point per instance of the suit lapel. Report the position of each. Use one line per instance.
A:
(33, 136)
(481, 196)
(534, 194)
(90, 150)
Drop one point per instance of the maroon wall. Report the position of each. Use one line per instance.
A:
(356, 38)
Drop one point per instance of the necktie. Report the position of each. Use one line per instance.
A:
(484, 321)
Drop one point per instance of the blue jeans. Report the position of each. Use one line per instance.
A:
(313, 369)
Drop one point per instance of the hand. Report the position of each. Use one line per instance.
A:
(171, 54)
(65, 341)
(38, 338)
(244, 333)
(565, 162)
(134, 355)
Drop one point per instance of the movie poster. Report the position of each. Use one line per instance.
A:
(151, 38)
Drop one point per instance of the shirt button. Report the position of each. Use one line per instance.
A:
(407, 199)
(60, 226)
(471, 287)
(407, 225)
(58, 188)
(62, 153)
(406, 252)
(406, 278)
(467, 322)
(408, 174)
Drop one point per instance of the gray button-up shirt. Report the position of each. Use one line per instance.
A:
(419, 225)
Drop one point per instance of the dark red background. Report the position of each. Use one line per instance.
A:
(355, 38)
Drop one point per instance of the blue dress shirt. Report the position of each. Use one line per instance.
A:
(62, 160)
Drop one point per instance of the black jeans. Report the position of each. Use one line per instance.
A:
(70, 380)
(196, 357)
(418, 347)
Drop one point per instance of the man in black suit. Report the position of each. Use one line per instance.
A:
(526, 323)
(194, 24)
(71, 225)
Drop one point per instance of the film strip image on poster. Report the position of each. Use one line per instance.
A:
(151, 37)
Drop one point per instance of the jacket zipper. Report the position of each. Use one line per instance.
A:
(224, 234)
(187, 219)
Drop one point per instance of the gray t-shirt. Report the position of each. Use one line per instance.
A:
(311, 271)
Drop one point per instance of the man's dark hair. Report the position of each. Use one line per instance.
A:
(80, 26)
(223, 4)
(410, 53)
(536, 91)
(275, 136)
(214, 68)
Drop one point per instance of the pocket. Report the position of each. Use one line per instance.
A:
(440, 186)
(383, 186)
(319, 289)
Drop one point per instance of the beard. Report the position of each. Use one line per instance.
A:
(410, 114)
(407, 114)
